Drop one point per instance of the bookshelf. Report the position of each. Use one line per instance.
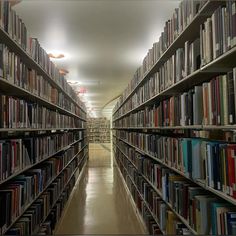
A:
(98, 130)
(174, 125)
(43, 137)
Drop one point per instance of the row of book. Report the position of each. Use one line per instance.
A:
(98, 130)
(82, 153)
(210, 162)
(24, 190)
(154, 210)
(12, 24)
(204, 212)
(137, 78)
(151, 225)
(181, 18)
(48, 227)
(30, 222)
(135, 178)
(18, 113)
(217, 33)
(18, 154)
(217, 36)
(14, 70)
(184, 62)
(212, 103)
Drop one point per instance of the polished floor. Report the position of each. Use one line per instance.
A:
(100, 203)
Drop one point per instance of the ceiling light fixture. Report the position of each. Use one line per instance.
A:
(56, 55)
(72, 82)
(63, 71)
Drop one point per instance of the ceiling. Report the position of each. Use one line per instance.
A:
(103, 41)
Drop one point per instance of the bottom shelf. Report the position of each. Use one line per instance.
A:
(143, 211)
(69, 200)
(145, 231)
(50, 227)
(42, 216)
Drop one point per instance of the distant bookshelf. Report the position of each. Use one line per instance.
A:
(98, 130)
(43, 140)
(174, 125)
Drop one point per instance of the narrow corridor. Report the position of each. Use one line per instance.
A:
(100, 203)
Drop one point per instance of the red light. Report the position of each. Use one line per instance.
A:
(82, 90)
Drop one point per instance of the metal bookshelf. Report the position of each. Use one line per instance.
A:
(50, 182)
(17, 91)
(189, 32)
(11, 89)
(222, 64)
(204, 74)
(98, 130)
(54, 203)
(188, 127)
(15, 47)
(201, 184)
(160, 195)
(35, 164)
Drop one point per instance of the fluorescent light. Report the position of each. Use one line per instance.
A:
(56, 55)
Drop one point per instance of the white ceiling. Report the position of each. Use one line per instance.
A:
(104, 41)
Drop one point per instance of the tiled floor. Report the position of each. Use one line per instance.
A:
(100, 204)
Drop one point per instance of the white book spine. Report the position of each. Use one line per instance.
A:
(210, 113)
(213, 35)
(223, 14)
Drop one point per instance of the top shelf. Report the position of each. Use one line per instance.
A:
(222, 64)
(189, 33)
(14, 46)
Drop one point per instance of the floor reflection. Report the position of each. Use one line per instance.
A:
(100, 204)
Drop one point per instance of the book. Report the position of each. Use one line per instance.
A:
(98, 130)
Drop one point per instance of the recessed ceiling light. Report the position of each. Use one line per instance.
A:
(56, 55)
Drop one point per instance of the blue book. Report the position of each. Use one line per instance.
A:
(196, 158)
(230, 220)
(232, 228)
(187, 156)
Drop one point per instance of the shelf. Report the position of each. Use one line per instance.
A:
(53, 130)
(33, 165)
(189, 32)
(141, 196)
(167, 203)
(187, 127)
(222, 64)
(131, 198)
(204, 74)
(204, 186)
(16, 48)
(36, 231)
(16, 91)
(161, 128)
(98, 130)
(51, 181)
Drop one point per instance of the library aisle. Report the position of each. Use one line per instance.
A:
(100, 203)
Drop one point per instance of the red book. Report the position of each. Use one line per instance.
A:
(231, 150)
(155, 116)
